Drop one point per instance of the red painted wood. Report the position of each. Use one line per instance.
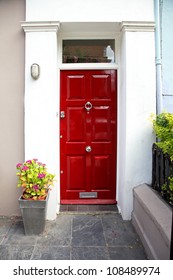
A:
(94, 171)
(89, 201)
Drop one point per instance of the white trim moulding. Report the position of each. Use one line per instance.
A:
(136, 26)
(40, 26)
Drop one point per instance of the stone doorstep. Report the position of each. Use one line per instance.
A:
(157, 209)
(88, 209)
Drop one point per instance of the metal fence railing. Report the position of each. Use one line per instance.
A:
(162, 170)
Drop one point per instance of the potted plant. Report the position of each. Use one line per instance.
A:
(35, 181)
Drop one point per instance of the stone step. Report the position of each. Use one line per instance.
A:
(152, 219)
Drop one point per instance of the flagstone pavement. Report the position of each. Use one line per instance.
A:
(74, 235)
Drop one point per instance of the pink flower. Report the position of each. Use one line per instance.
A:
(25, 168)
(19, 165)
(41, 164)
(41, 175)
(35, 187)
(35, 159)
(28, 161)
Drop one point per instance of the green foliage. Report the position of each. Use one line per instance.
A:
(171, 188)
(34, 178)
(163, 128)
(168, 189)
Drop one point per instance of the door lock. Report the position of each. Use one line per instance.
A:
(62, 115)
(88, 149)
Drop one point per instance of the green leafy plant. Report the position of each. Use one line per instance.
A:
(168, 189)
(171, 188)
(34, 178)
(163, 128)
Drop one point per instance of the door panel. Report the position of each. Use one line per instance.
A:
(101, 165)
(101, 86)
(101, 124)
(88, 136)
(75, 165)
(76, 87)
(75, 119)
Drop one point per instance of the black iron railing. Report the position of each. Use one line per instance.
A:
(162, 170)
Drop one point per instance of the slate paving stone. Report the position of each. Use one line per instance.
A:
(72, 208)
(51, 253)
(112, 208)
(88, 208)
(17, 228)
(1, 238)
(63, 208)
(73, 236)
(83, 208)
(90, 253)
(127, 253)
(16, 252)
(93, 208)
(57, 233)
(16, 236)
(118, 232)
(5, 224)
(87, 231)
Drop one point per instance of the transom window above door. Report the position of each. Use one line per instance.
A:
(88, 51)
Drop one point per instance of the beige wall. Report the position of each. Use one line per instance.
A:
(11, 102)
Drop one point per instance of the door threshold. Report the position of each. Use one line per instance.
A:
(88, 201)
(87, 208)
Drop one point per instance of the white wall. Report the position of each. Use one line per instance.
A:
(41, 105)
(136, 103)
(167, 43)
(90, 10)
(136, 87)
(167, 54)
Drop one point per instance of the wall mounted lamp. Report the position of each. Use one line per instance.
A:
(35, 71)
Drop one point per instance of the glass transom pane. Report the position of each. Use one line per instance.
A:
(88, 51)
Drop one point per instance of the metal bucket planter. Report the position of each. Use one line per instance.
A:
(34, 215)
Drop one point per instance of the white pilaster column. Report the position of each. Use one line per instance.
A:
(137, 100)
(42, 100)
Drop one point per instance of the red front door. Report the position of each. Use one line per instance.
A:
(88, 125)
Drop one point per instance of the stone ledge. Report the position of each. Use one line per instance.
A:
(152, 218)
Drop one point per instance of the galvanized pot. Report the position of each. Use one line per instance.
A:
(34, 215)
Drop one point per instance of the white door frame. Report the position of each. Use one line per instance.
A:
(136, 81)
